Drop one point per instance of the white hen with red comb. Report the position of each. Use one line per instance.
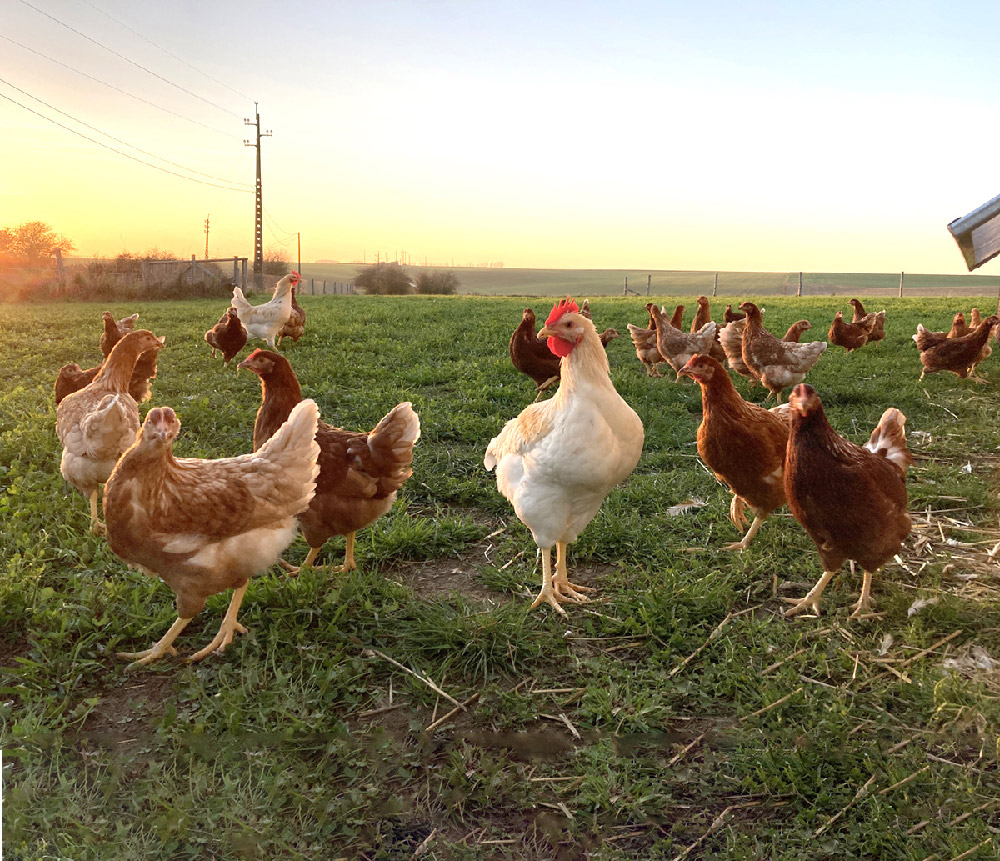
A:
(559, 459)
(267, 319)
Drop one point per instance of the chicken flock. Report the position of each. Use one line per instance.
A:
(207, 526)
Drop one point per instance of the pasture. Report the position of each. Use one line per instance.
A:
(679, 716)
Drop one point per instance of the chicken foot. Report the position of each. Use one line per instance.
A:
(811, 600)
(571, 591)
(349, 563)
(228, 628)
(96, 526)
(864, 602)
(164, 646)
(557, 589)
(751, 532)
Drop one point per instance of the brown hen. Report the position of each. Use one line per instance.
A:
(851, 500)
(360, 473)
(228, 336)
(742, 443)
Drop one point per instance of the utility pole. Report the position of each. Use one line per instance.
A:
(299, 270)
(206, 236)
(258, 239)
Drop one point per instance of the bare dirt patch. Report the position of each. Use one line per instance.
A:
(124, 715)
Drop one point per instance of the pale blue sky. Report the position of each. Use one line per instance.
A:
(719, 135)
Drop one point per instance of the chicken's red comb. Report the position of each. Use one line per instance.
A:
(560, 308)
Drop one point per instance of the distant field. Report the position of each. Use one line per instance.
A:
(611, 282)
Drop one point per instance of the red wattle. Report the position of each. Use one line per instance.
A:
(559, 347)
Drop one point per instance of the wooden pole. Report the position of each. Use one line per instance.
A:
(299, 235)
(799, 291)
(625, 291)
(900, 285)
(715, 287)
(649, 280)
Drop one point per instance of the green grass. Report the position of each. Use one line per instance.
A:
(303, 741)
(673, 282)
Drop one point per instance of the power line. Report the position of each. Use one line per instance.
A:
(113, 87)
(126, 59)
(119, 140)
(119, 152)
(165, 51)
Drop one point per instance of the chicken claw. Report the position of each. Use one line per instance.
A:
(811, 600)
(164, 646)
(864, 603)
(230, 626)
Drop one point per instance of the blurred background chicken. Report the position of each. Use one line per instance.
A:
(360, 473)
(267, 319)
(796, 330)
(530, 354)
(777, 364)
(228, 336)
(850, 336)
(72, 378)
(558, 459)
(702, 316)
(115, 330)
(98, 422)
(644, 341)
(742, 443)
(204, 526)
(296, 324)
(958, 355)
(851, 500)
(676, 346)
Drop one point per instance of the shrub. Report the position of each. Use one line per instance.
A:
(385, 279)
(442, 283)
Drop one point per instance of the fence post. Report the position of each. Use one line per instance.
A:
(715, 286)
(799, 291)
(900, 285)
(649, 280)
(625, 291)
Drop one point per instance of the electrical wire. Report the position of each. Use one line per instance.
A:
(119, 152)
(277, 226)
(247, 186)
(117, 89)
(127, 60)
(165, 51)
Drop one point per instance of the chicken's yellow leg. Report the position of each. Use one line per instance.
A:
(96, 526)
(865, 601)
(751, 532)
(547, 594)
(293, 570)
(163, 647)
(229, 626)
(349, 563)
(811, 601)
(565, 590)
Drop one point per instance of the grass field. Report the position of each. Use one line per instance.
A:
(680, 716)
(611, 282)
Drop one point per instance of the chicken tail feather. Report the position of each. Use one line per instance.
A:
(391, 444)
(889, 439)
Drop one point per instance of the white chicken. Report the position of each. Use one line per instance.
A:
(98, 422)
(558, 459)
(268, 319)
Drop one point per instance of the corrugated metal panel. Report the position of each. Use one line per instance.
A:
(978, 234)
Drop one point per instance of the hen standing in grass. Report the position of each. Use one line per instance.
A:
(204, 526)
(267, 319)
(676, 346)
(958, 355)
(558, 459)
(777, 364)
(796, 330)
(72, 378)
(644, 341)
(742, 443)
(228, 336)
(98, 422)
(851, 500)
(850, 336)
(360, 473)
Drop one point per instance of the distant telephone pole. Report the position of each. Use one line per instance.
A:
(258, 239)
(206, 236)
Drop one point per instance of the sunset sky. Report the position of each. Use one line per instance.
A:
(761, 136)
